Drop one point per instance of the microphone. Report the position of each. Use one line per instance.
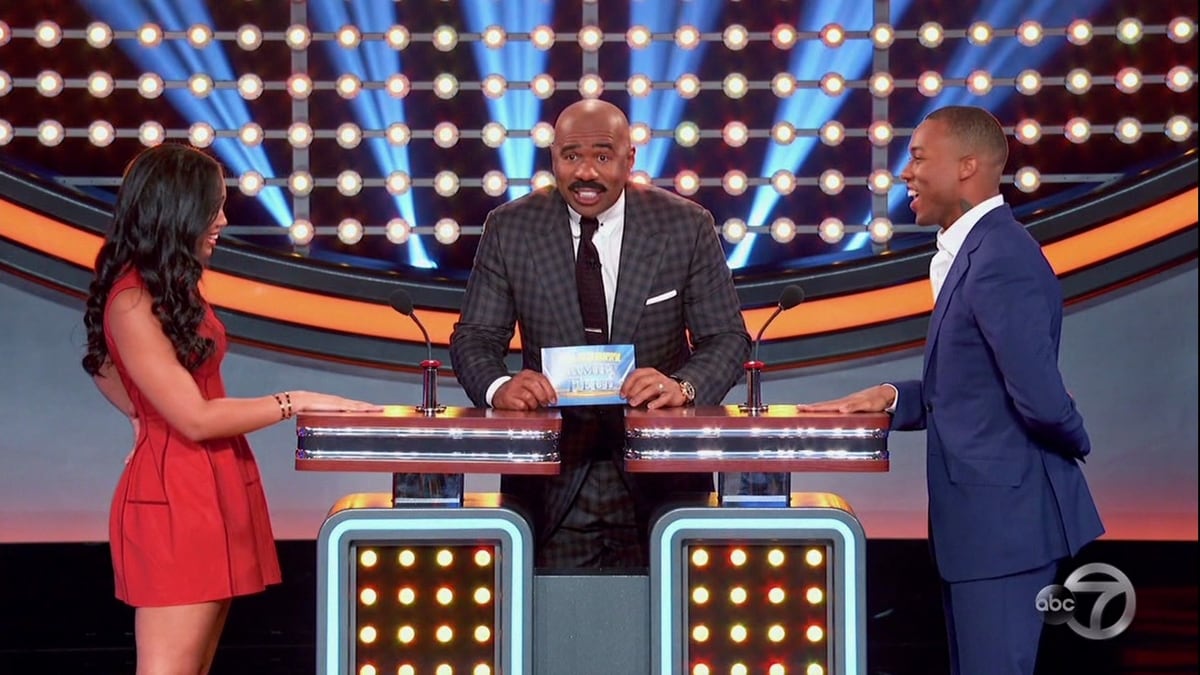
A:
(402, 302)
(789, 298)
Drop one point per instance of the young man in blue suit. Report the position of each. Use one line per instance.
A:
(1007, 499)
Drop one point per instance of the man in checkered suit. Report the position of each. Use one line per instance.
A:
(667, 291)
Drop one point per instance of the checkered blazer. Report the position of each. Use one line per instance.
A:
(524, 275)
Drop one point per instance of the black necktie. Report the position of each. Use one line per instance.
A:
(590, 283)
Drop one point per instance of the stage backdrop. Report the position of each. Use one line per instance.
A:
(1129, 358)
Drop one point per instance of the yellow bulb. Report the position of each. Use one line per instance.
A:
(814, 595)
(406, 596)
(701, 669)
(775, 557)
(737, 595)
(445, 596)
(814, 557)
(406, 634)
(444, 634)
(700, 633)
(814, 633)
(738, 557)
(444, 669)
(406, 669)
(482, 596)
(368, 596)
(407, 558)
(482, 669)
(483, 633)
(445, 557)
(776, 633)
(700, 557)
(776, 669)
(700, 595)
(483, 558)
(368, 634)
(776, 595)
(738, 633)
(814, 669)
(738, 669)
(367, 670)
(368, 558)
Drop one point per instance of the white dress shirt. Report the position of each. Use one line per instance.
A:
(607, 240)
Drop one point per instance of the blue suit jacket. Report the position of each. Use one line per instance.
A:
(1006, 493)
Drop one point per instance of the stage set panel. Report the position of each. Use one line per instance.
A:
(432, 580)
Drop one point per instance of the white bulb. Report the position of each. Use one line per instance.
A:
(46, 33)
(687, 182)
(250, 86)
(832, 182)
(446, 183)
(249, 37)
(350, 231)
(398, 183)
(446, 231)
(783, 181)
(349, 135)
(734, 230)
(49, 83)
(445, 38)
(639, 133)
(300, 135)
(397, 37)
(251, 135)
(397, 86)
(251, 183)
(783, 230)
(201, 134)
(445, 86)
(445, 135)
(151, 133)
(687, 86)
(349, 183)
(493, 134)
(591, 86)
(543, 134)
(200, 36)
(880, 230)
(494, 183)
(494, 37)
(150, 85)
(301, 232)
(735, 182)
(398, 230)
(297, 36)
(99, 34)
(100, 133)
(831, 230)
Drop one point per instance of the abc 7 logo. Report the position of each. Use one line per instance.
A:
(1058, 603)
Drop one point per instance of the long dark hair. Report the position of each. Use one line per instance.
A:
(169, 197)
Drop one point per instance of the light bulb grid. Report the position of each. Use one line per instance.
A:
(426, 605)
(751, 605)
(1179, 78)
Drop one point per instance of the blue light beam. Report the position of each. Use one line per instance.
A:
(176, 60)
(374, 108)
(515, 62)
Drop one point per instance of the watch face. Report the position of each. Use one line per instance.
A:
(688, 390)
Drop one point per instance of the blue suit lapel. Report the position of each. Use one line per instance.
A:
(958, 270)
(641, 249)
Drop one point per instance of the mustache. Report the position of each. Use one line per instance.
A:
(587, 185)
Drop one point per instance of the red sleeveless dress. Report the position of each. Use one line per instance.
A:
(189, 520)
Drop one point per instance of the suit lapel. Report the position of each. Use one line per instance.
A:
(556, 251)
(641, 249)
(954, 277)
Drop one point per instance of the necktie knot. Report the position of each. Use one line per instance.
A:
(588, 227)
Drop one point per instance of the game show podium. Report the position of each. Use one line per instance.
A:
(409, 583)
(763, 579)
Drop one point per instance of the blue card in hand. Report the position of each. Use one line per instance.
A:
(588, 374)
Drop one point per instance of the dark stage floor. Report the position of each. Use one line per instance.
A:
(57, 614)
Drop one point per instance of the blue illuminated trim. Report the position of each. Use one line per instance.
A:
(333, 654)
(670, 547)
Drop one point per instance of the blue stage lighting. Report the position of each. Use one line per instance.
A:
(373, 108)
(223, 108)
(1004, 58)
(809, 108)
(516, 62)
(663, 61)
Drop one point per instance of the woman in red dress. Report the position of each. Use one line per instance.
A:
(189, 527)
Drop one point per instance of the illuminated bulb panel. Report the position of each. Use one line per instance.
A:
(424, 590)
(423, 605)
(761, 614)
(758, 590)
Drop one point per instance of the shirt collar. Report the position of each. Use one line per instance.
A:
(613, 215)
(952, 238)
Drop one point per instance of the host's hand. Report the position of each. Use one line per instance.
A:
(649, 386)
(527, 390)
(309, 401)
(873, 399)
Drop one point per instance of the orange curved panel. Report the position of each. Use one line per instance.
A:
(309, 308)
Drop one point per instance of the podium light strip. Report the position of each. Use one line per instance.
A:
(334, 656)
(670, 547)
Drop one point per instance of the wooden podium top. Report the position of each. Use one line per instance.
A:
(780, 439)
(402, 439)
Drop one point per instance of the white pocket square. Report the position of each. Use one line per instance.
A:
(660, 297)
